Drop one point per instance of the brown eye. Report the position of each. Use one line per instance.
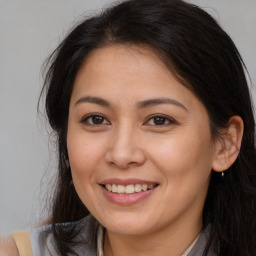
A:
(159, 120)
(95, 120)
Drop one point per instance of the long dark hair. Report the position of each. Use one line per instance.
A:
(205, 60)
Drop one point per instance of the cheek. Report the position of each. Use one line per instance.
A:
(185, 164)
(83, 157)
(185, 155)
(84, 153)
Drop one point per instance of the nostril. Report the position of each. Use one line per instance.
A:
(125, 156)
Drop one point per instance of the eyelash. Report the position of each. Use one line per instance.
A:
(154, 117)
(86, 119)
(163, 117)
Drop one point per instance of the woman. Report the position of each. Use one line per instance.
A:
(155, 130)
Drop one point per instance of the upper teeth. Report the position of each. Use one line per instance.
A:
(129, 189)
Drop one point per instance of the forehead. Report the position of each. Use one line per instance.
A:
(124, 67)
(127, 58)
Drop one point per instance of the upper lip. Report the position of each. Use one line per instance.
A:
(126, 181)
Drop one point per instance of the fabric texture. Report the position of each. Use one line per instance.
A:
(90, 240)
(43, 243)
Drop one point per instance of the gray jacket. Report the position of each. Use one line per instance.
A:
(43, 244)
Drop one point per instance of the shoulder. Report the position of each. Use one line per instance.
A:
(201, 244)
(43, 241)
(8, 247)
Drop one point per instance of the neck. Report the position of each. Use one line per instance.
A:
(172, 239)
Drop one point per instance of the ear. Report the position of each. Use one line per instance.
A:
(227, 146)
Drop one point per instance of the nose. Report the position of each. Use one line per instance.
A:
(125, 149)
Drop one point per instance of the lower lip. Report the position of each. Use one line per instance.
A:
(127, 199)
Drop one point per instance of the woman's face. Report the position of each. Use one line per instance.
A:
(139, 143)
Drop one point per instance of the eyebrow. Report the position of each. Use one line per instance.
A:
(95, 100)
(141, 104)
(158, 101)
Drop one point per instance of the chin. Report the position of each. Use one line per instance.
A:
(129, 225)
(128, 230)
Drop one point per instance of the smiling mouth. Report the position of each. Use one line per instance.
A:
(128, 189)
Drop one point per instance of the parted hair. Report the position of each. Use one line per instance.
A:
(204, 59)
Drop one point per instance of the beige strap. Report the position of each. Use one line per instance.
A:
(22, 240)
(190, 247)
(100, 241)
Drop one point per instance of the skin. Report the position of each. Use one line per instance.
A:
(178, 153)
(8, 247)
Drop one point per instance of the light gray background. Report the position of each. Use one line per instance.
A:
(29, 31)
